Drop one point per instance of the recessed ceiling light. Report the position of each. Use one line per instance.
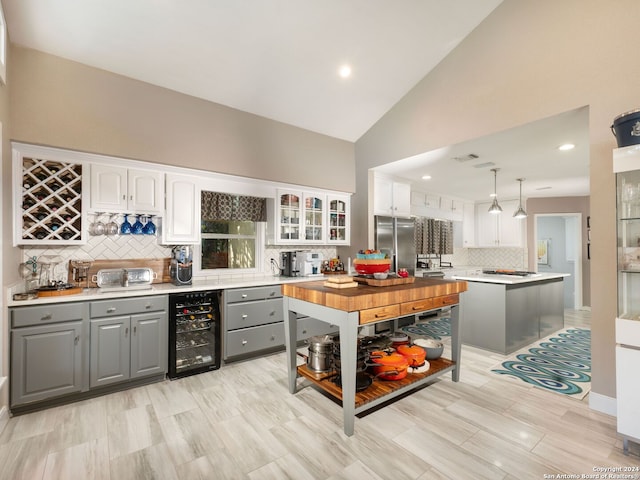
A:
(566, 146)
(344, 71)
(426, 177)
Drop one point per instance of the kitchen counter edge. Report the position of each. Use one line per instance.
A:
(159, 289)
(509, 279)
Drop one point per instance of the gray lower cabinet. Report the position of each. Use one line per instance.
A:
(126, 345)
(253, 320)
(48, 352)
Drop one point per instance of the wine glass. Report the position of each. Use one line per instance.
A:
(125, 228)
(112, 227)
(97, 227)
(149, 226)
(136, 228)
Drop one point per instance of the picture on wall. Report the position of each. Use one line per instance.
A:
(543, 251)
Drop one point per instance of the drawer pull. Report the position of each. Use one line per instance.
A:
(244, 316)
(273, 337)
(47, 316)
(147, 306)
(135, 329)
(271, 294)
(416, 307)
(304, 331)
(244, 342)
(272, 313)
(244, 295)
(380, 315)
(111, 309)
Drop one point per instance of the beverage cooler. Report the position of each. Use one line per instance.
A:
(194, 333)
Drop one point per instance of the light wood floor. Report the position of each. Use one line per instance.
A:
(240, 422)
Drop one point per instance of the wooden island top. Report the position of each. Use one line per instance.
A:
(365, 296)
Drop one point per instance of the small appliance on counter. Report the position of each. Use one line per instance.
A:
(180, 268)
(309, 263)
(289, 263)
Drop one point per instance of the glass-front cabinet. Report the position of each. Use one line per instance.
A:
(626, 163)
(628, 229)
(339, 219)
(309, 218)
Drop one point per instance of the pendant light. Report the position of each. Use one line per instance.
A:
(495, 208)
(520, 213)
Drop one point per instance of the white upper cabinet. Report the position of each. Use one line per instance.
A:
(120, 189)
(499, 230)
(181, 222)
(339, 221)
(391, 197)
(468, 225)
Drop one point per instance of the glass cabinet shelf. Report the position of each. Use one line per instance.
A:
(628, 243)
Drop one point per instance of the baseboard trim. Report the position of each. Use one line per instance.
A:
(603, 404)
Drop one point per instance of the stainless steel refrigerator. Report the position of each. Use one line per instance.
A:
(396, 237)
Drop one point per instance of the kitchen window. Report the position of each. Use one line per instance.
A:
(232, 232)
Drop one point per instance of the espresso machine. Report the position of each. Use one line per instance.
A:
(309, 263)
(180, 268)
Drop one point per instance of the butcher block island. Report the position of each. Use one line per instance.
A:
(351, 308)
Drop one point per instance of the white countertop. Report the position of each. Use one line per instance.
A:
(161, 289)
(509, 279)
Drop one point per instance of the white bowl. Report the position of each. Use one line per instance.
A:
(380, 275)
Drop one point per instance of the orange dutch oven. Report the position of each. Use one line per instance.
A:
(389, 366)
(414, 354)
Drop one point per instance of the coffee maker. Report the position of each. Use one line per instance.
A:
(180, 269)
(289, 263)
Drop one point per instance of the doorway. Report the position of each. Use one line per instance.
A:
(559, 250)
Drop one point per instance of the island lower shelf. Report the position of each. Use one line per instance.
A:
(380, 390)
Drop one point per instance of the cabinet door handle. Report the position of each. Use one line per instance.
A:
(272, 313)
(135, 329)
(47, 316)
(111, 309)
(126, 331)
(76, 340)
(244, 342)
(124, 197)
(273, 337)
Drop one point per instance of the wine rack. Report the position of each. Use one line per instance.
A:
(51, 210)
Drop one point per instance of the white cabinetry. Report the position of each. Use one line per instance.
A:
(499, 230)
(339, 219)
(302, 217)
(120, 189)
(468, 225)
(181, 222)
(391, 197)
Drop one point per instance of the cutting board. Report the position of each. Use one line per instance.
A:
(58, 293)
(341, 284)
(387, 282)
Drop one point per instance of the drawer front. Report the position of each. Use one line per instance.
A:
(446, 300)
(416, 307)
(378, 314)
(251, 314)
(45, 314)
(252, 293)
(128, 306)
(254, 339)
(310, 327)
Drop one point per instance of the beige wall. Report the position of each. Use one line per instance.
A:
(561, 205)
(530, 59)
(65, 104)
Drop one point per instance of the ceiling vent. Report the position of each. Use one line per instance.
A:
(466, 158)
(485, 164)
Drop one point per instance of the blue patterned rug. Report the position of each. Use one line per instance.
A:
(561, 363)
(436, 328)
